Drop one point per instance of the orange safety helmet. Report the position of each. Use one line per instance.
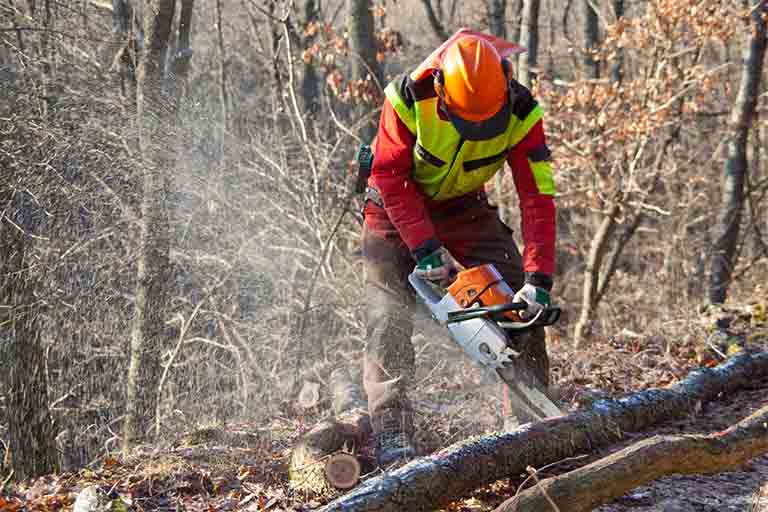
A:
(473, 84)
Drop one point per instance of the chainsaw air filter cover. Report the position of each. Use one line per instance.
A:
(482, 286)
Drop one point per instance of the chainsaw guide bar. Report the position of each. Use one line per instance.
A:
(481, 331)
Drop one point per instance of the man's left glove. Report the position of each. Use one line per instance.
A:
(537, 299)
(440, 266)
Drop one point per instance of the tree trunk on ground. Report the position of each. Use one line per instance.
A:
(529, 38)
(30, 429)
(429, 482)
(362, 43)
(614, 476)
(591, 36)
(729, 218)
(324, 451)
(148, 335)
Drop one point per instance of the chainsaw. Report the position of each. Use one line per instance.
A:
(478, 310)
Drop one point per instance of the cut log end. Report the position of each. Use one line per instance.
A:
(342, 471)
(321, 462)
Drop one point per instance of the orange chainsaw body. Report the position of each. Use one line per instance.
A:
(482, 286)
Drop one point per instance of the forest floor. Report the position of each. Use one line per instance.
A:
(243, 466)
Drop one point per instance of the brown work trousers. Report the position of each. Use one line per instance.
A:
(474, 235)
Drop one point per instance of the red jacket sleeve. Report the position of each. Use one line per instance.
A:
(391, 175)
(537, 210)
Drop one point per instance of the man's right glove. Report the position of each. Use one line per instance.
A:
(439, 266)
(536, 298)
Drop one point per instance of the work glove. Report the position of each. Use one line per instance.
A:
(537, 299)
(439, 267)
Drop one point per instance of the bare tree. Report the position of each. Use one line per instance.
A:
(726, 234)
(591, 36)
(362, 43)
(223, 97)
(148, 335)
(434, 21)
(30, 427)
(529, 38)
(126, 30)
(617, 71)
(517, 19)
(497, 22)
(310, 83)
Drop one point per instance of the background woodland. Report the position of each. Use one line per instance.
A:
(179, 228)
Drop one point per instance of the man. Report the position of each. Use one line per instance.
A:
(445, 130)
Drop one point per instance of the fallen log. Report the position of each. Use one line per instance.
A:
(614, 476)
(428, 482)
(322, 460)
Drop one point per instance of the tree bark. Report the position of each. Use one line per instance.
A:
(497, 22)
(517, 20)
(310, 83)
(614, 476)
(183, 57)
(128, 39)
(597, 250)
(362, 43)
(434, 21)
(148, 335)
(429, 482)
(529, 38)
(223, 97)
(726, 235)
(617, 67)
(32, 449)
(591, 36)
(344, 433)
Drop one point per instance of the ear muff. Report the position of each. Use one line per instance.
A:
(506, 66)
(440, 84)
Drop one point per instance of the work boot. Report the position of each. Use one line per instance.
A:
(393, 439)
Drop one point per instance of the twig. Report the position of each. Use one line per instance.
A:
(7, 479)
(313, 282)
(182, 334)
(532, 472)
(295, 103)
(567, 459)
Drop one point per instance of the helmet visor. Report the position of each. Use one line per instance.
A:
(480, 130)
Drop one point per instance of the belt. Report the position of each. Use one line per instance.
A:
(464, 203)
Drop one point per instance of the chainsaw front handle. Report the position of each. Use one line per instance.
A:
(544, 317)
(486, 311)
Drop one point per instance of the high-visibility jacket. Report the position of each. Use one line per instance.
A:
(445, 164)
(422, 165)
